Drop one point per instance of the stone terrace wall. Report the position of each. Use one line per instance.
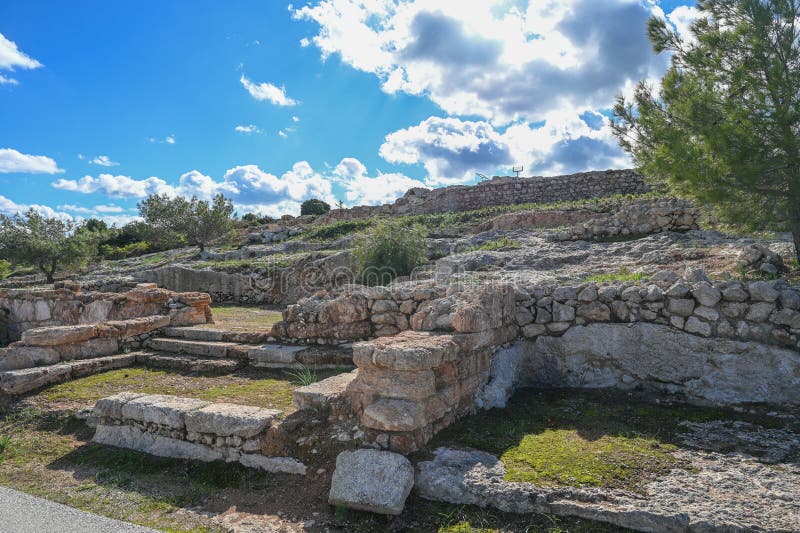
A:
(725, 342)
(24, 309)
(502, 191)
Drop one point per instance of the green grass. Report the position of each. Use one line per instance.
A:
(586, 438)
(243, 318)
(256, 388)
(498, 245)
(620, 275)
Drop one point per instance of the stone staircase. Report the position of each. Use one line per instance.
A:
(53, 354)
(200, 349)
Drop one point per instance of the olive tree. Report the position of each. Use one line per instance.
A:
(198, 221)
(46, 243)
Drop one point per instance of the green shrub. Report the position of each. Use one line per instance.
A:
(389, 251)
(336, 230)
(314, 207)
(5, 269)
(133, 249)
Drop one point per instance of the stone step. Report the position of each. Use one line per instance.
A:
(28, 379)
(216, 335)
(287, 356)
(201, 348)
(323, 394)
(190, 363)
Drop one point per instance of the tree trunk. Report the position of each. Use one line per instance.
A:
(796, 239)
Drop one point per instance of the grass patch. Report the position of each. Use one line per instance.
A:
(583, 438)
(249, 387)
(621, 275)
(337, 230)
(498, 245)
(241, 318)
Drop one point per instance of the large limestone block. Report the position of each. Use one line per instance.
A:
(133, 326)
(135, 439)
(16, 357)
(720, 370)
(88, 349)
(111, 406)
(28, 379)
(86, 367)
(321, 394)
(371, 480)
(274, 354)
(410, 350)
(227, 419)
(57, 335)
(394, 415)
(161, 409)
(395, 383)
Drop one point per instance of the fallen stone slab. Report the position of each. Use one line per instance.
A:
(230, 419)
(17, 357)
(111, 406)
(275, 465)
(371, 480)
(189, 363)
(272, 355)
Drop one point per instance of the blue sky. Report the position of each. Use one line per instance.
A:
(102, 103)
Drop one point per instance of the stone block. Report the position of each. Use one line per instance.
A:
(161, 409)
(57, 335)
(393, 415)
(111, 406)
(275, 465)
(227, 419)
(371, 480)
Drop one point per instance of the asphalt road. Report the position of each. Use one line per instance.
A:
(22, 513)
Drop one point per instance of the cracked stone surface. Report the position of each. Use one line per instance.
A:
(743, 477)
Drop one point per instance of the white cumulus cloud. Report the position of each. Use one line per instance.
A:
(116, 186)
(14, 161)
(12, 58)
(247, 128)
(103, 161)
(267, 91)
(361, 189)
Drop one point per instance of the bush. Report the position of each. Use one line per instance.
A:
(389, 251)
(314, 207)
(133, 249)
(5, 269)
(252, 219)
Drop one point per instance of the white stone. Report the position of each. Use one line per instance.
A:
(371, 480)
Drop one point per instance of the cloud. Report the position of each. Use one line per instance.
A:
(108, 208)
(360, 189)
(682, 18)
(14, 161)
(295, 118)
(248, 129)
(12, 58)
(283, 133)
(169, 139)
(499, 60)
(267, 91)
(116, 186)
(103, 161)
(10, 208)
(451, 150)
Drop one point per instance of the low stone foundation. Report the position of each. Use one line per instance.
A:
(185, 428)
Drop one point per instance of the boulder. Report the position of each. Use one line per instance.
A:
(371, 480)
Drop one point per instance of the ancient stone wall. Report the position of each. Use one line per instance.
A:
(502, 191)
(438, 351)
(23, 309)
(186, 428)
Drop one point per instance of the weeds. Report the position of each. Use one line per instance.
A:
(302, 376)
(623, 274)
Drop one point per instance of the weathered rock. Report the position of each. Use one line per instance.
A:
(230, 419)
(161, 409)
(371, 480)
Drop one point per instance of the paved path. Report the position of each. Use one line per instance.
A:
(22, 513)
